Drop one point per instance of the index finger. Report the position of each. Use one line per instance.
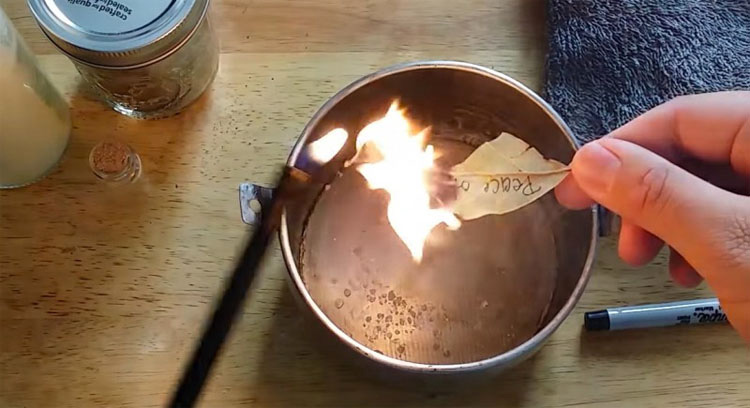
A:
(712, 127)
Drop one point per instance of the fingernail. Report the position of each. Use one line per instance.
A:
(594, 167)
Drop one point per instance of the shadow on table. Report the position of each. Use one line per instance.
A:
(303, 366)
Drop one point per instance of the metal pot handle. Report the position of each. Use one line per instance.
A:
(253, 199)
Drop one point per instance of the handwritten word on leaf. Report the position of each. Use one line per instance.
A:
(503, 175)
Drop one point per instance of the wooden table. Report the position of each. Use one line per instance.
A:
(104, 290)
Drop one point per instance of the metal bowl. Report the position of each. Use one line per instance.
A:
(483, 299)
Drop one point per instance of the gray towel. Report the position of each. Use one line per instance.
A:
(611, 60)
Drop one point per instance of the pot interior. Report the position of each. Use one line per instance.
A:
(480, 290)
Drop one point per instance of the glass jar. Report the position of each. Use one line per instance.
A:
(34, 118)
(146, 59)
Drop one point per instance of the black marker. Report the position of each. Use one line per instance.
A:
(657, 315)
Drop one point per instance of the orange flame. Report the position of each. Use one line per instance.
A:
(404, 161)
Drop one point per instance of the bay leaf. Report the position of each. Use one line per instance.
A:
(501, 176)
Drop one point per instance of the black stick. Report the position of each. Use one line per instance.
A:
(216, 332)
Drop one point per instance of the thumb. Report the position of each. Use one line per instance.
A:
(688, 213)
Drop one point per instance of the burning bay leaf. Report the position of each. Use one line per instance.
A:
(501, 176)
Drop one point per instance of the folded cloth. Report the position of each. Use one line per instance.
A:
(611, 60)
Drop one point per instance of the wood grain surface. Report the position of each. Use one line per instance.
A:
(103, 290)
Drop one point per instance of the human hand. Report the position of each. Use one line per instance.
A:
(679, 174)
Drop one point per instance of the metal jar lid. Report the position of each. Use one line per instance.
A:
(118, 33)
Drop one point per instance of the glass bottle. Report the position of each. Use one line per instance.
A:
(34, 118)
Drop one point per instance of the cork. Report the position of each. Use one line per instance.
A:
(110, 157)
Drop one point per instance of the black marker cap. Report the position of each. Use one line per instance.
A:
(596, 321)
